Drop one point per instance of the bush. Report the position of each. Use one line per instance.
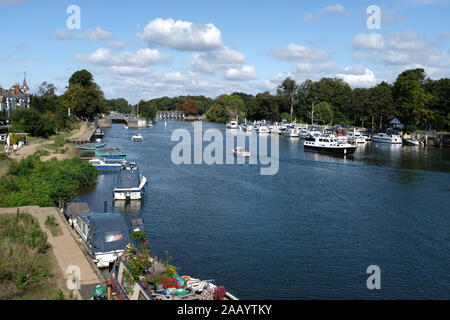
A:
(410, 129)
(32, 182)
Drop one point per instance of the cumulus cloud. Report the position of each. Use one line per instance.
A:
(89, 35)
(403, 49)
(142, 58)
(182, 35)
(335, 9)
(210, 62)
(239, 74)
(118, 44)
(297, 53)
(357, 78)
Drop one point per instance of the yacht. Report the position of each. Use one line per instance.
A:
(327, 145)
(232, 125)
(137, 138)
(130, 185)
(387, 138)
(275, 129)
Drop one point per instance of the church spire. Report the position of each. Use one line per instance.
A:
(25, 87)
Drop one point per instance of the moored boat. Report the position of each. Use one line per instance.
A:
(109, 165)
(113, 153)
(387, 138)
(104, 235)
(146, 287)
(90, 146)
(130, 185)
(328, 145)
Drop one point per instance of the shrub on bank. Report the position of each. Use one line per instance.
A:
(32, 182)
(24, 261)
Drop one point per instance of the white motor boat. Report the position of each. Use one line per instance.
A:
(130, 185)
(240, 151)
(263, 130)
(137, 138)
(232, 125)
(357, 137)
(275, 129)
(291, 133)
(328, 145)
(413, 142)
(104, 236)
(387, 138)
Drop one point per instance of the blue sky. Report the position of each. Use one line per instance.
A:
(147, 49)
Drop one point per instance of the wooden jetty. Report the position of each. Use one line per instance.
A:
(85, 134)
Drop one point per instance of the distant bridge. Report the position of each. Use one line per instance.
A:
(175, 115)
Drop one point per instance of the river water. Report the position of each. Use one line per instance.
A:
(308, 232)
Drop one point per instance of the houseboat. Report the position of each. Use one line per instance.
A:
(104, 235)
(328, 145)
(186, 287)
(130, 185)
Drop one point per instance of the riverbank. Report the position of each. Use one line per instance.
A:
(65, 257)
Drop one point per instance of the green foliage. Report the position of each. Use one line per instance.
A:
(84, 101)
(23, 260)
(323, 113)
(32, 122)
(83, 78)
(410, 129)
(32, 182)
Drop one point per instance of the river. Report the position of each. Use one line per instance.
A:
(308, 232)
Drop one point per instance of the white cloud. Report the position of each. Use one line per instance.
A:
(240, 74)
(405, 49)
(210, 62)
(296, 53)
(88, 34)
(182, 35)
(335, 10)
(370, 41)
(142, 58)
(365, 80)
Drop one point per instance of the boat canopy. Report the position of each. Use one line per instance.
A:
(108, 232)
(128, 179)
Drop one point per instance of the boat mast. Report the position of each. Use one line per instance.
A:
(312, 114)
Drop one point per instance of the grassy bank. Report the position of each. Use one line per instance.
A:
(32, 182)
(27, 266)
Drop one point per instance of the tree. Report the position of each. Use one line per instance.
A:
(288, 91)
(82, 77)
(411, 97)
(189, 107)
(46, 98)
(32, 122)
(440, 103)
(84, 101)
(323, 113)
(83, 96)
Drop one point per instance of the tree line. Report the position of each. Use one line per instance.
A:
(416, 100)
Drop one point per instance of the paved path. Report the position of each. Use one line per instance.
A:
(66, 250)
